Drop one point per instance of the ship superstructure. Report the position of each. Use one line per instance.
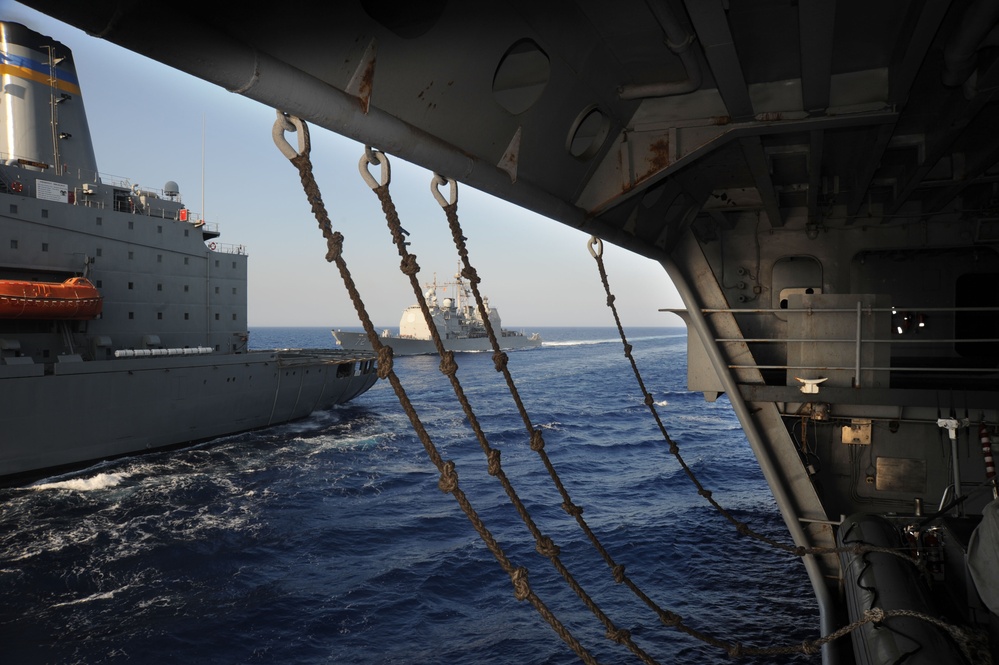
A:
(122, 316)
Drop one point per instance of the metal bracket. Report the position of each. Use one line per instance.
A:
(858, 432)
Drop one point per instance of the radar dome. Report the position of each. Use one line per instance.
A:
(171, 188)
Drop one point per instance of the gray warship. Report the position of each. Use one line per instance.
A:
(123, 322)
(458, 322)
(819, 180)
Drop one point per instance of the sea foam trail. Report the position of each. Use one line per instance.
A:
(99, 482)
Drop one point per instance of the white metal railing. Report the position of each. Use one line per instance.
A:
(859, 341)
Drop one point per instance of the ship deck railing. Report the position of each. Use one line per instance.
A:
(932, 360)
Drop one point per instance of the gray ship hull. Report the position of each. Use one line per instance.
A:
(66, 414)
(123, 319)
(404, 346)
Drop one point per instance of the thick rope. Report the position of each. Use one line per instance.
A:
(743, 529)
(538, 445)
(449, 479)
(448, 367)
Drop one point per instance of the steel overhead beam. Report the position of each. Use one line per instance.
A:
(947, 128)
(759, 166)
(711, 26)
(921, 24)
(816, 28)
(815, 146)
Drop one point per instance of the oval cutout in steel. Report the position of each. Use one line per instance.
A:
(588, 133)
(521, 76)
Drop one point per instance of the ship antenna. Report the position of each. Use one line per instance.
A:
(202, 167)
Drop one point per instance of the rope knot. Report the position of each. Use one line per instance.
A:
(499, 360)
(469, 273)
(670, 618)
(743, 529)
(618, 573)
(409, 266)
(800, 550)
(705, 493)
(335, 247)
(619, 635)
(627, 350)
(521, 587)
(810, 647)
(537, 441)
(449, 478)
(735, 650)
(673, 448)
(610, 301)
(448, 365)
(384, 362)
(494, 462)
(875, 614)
(572, 509)
(649, 401)
(547, 547)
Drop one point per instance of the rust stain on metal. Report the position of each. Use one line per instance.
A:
(367, 84)
(658, 158)
(721, 119)
(770, 116)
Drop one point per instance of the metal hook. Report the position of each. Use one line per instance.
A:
(435, 184)
(596, 247)
(288, 123)
(370, 157)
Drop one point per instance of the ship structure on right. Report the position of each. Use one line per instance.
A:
(819, 181)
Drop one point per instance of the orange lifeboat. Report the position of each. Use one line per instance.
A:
(75, 299)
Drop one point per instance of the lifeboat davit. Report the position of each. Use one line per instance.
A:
(75, 299)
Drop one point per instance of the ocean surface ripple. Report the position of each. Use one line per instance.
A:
(328, 541)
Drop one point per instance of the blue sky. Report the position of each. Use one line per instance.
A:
(152, 124)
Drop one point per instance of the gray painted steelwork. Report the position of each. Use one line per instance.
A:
(819, 179)
(167, 361)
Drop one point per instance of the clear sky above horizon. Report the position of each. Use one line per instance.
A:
(151, 124)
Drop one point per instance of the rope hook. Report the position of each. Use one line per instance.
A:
(289, 123)
(374, 157)
(596, 246)
(435, 184)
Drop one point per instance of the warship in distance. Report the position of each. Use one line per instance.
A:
(457, 319)
(122, 318)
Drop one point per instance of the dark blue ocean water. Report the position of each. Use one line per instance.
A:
(328, 540)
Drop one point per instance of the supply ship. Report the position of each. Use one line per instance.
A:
(122, 315)
(817, 178)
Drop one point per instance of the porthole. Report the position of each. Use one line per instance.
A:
(588, 133)
(521, 76)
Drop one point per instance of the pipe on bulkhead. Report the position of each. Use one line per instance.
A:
(680, 42)
(770, 473)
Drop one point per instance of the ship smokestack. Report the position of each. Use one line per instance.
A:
(44, 124)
